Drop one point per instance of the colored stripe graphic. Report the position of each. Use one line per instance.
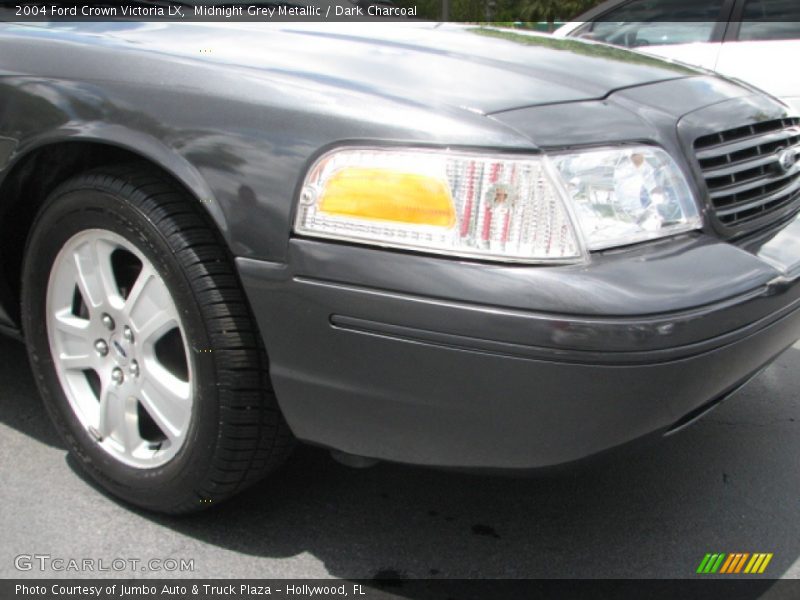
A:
(741, 562)
(764, 564)
(717, 564)
(728, 563)
(755, 562)
(734, 563)
(710, 563)
(703, 563)
(731, 564)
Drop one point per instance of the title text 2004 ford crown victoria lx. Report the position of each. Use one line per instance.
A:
(441, 246)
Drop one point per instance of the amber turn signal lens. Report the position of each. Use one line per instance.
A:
(385, 195)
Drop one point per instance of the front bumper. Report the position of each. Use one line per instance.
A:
(449, 363)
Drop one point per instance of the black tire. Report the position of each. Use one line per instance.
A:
(236, 433)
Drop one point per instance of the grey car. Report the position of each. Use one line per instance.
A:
(439, 245)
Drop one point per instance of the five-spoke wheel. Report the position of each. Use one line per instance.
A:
(119, 344)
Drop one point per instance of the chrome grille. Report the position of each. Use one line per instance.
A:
(747, 186)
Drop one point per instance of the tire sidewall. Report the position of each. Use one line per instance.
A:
(67, 213)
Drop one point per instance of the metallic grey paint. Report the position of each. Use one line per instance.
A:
(410, 357)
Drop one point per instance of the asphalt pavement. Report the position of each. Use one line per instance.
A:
(729, 483)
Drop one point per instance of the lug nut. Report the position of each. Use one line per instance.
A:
(101, 347)
(134, 369)
(108, 322)
(127, 333)
(117, 376)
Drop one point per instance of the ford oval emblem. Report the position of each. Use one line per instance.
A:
(786, 159)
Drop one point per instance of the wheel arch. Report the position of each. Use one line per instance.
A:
(38, 168)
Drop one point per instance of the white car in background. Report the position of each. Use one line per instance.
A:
(757, 41)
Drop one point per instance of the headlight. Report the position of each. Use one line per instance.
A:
(502, 207)
(491, 207)
(626, 195)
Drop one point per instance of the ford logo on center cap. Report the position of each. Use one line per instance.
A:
(120, 350)
(786, 159)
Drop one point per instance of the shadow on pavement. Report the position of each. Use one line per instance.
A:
(20, 406)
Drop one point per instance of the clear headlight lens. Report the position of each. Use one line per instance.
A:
(508, 208)
(491, 207)
(625, 195)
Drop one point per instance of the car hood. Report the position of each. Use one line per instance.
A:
(479, 69)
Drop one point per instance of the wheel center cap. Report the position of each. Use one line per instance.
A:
(121, 350)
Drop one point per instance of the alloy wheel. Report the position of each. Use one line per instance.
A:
(119, 348)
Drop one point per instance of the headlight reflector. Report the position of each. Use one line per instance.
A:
(493, 207)
(627, 195)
